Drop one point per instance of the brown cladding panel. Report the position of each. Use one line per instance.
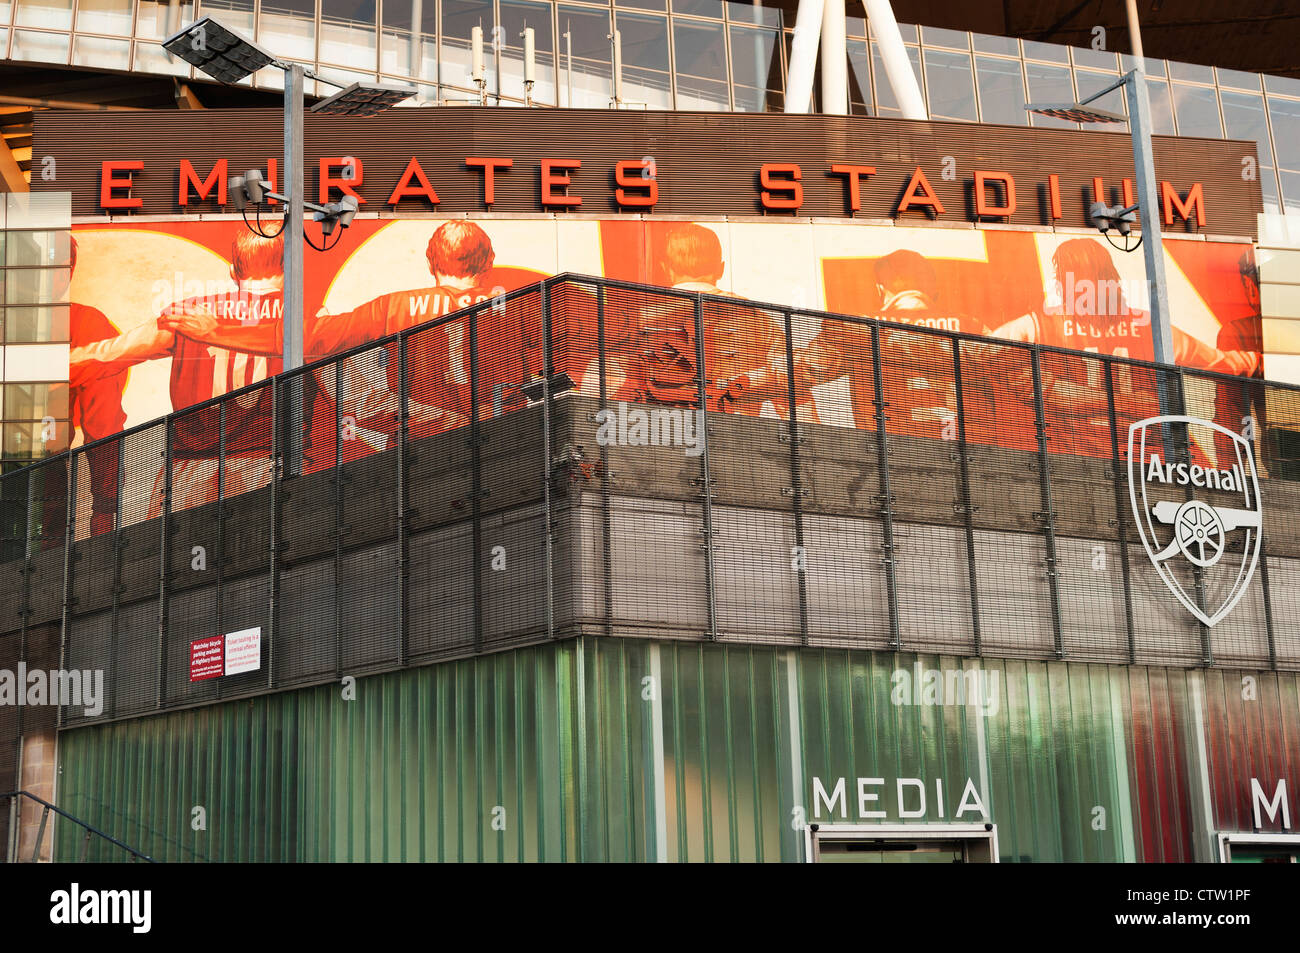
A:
(707, 164)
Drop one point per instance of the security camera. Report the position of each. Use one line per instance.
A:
(256, 186)
(237, 196)
(1099, 212)
(347, 209)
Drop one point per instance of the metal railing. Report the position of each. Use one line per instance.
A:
(395, 505)
(13, 804)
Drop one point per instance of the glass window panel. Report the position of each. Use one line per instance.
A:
(1191, 72)
(36, 249)
(1197, 110)
(1049, 84)
(699, 8)
(765, 14)
(1051, 52)
(104, 16)
(50, 14)
(102, 53)
(1285, 116)
(36, 325)
(1237, 79)
(347, 33)
(36, 286)
(39, 211)
(236, 15)
(1093, 59)
(1002, 91)
(1243, 115)
(35, 401)
(152, 58)
(954, 39)
(756, 69)
(5, 10)
(1089, 83)
(459, 17)
(701, 54)
(1282, 84)
(950, 85)
(27, 440)
(860, 102)
(1290, 190)
(854, 26)
(589, 74)
(886, 101)
(659, 5)
(1162, 110)
(161, 20)
(1153, 67)
(647, 76)
(515, 16)
(40, 47)
(908, 31)
(289, 28)
(1006, 45)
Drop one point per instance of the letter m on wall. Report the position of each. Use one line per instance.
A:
(1174, 203)
(189, 178)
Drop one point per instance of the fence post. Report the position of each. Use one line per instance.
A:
(403, 504)
(1118, 473)
(967, 507)
(338, 516)
(1047, 516)
(221, 530)
(606, 478)
(164, 563)
(118, 545)
(796, 477)
(69, 541)
(886, 497)
(706, 476)
(277, 476)
(547, 370)
(476, 480)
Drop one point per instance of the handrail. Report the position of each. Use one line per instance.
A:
(135, 854)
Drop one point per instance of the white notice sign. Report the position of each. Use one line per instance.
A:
(244, 651)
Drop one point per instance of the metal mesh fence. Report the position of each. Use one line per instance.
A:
(586, 456)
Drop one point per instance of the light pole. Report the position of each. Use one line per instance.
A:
(1139, 109)
(228, 57)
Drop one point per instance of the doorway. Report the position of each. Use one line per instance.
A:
(901, 844)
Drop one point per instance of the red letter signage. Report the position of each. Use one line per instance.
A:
(767, 177)
(110, 180)
(489, 165)
(552, 179)
(405, 189)
(217, 178)
(983, 207)
(855, 174)
(636, 174)
(919, 192)
(1195, 202)
(352, 175)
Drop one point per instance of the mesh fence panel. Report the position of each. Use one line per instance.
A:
(467, 486)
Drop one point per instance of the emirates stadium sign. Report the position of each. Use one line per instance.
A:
(1205, 516)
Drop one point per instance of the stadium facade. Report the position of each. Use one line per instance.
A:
(664, 483)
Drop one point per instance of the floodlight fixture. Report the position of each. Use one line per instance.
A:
(362, 100)
(220, 52)
(1075, 112)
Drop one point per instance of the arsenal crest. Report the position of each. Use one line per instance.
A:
(1204, 516)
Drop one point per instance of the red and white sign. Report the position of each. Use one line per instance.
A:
(229, 654)
(207, 658)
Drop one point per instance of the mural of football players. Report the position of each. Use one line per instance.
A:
(95, 406)
(917, 369)
(1234, 403)
(1095, 316)
(201, 370)
(660, 365)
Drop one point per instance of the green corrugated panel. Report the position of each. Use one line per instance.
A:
(608, 749)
